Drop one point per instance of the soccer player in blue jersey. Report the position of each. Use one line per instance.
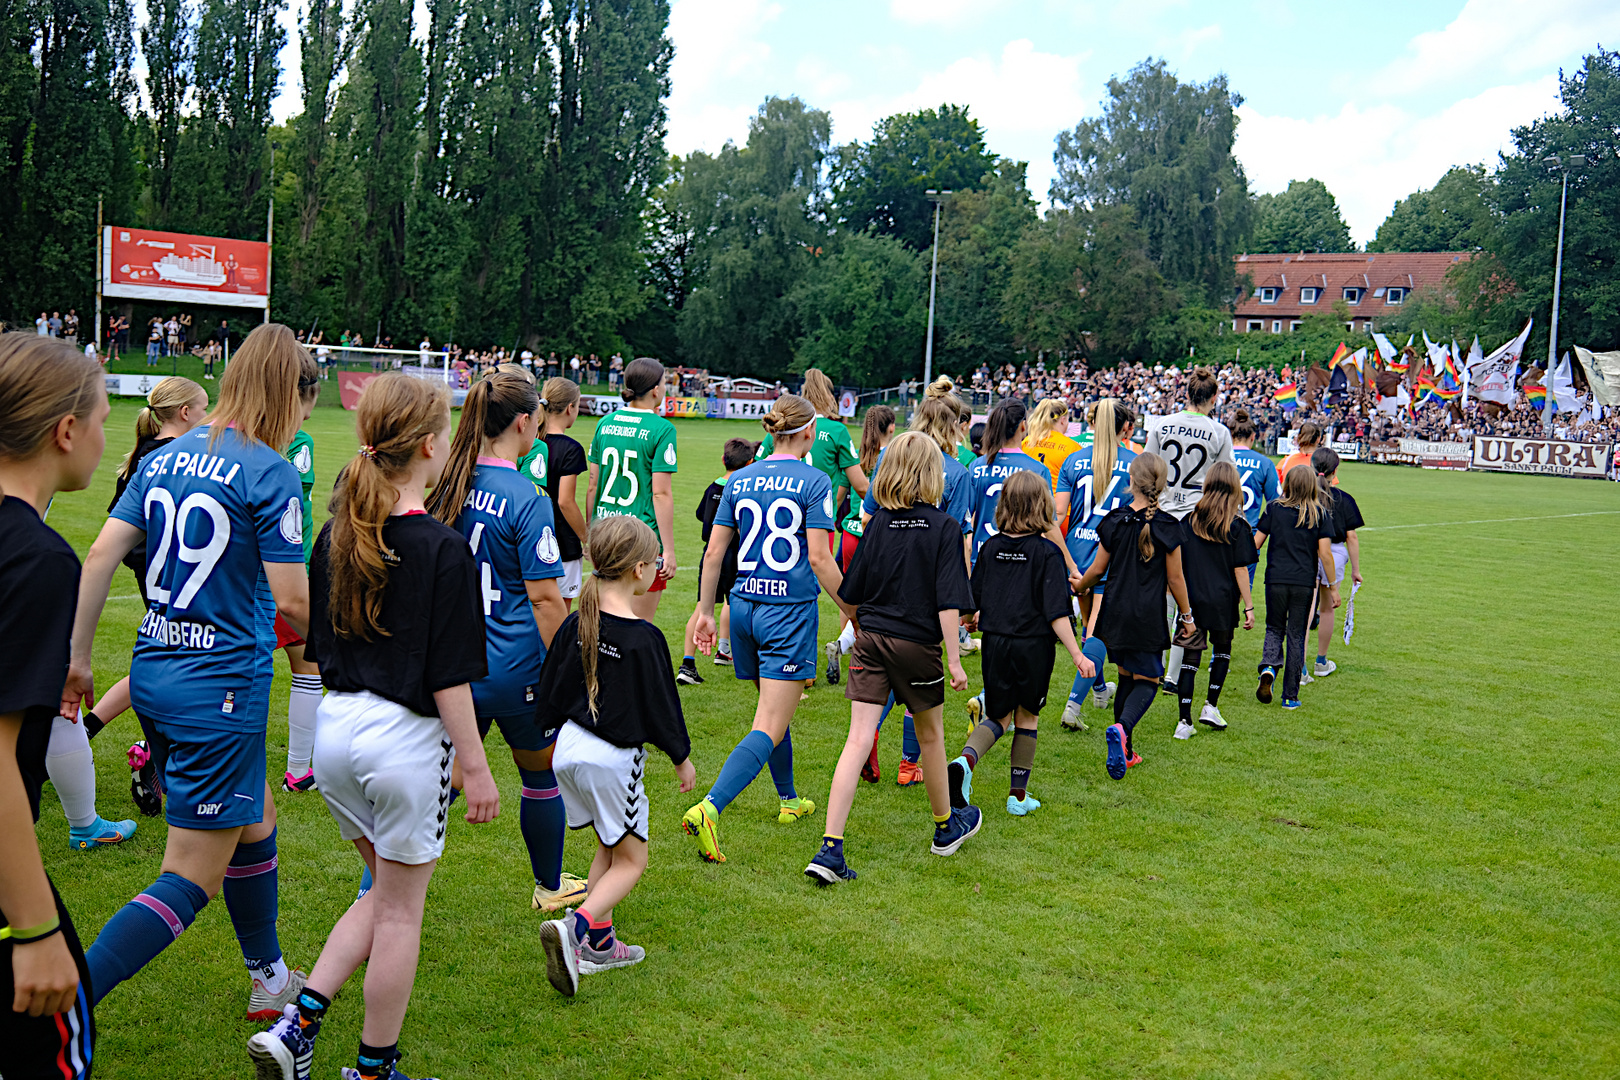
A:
(782, 507)
(1257, 472)
(220, 513)
(508, 525)
(1094, 481)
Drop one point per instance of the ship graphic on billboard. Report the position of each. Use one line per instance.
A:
(142, 264)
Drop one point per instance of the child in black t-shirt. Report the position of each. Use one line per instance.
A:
(1343, 543)
(909, 585)
(1215, 560)
(1299, 527)
(606, 683)
(1143, 547)
(736, 454)
(397, 627)
(1021, 591)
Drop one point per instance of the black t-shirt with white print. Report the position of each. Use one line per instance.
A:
(636, 702)
(432, 610)
(1132, 617)
(1020, 586)
(909, 567)
(1291, 556)
(1210, 568)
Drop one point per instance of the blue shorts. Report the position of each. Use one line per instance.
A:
(774, 641)
(210, 779)
(521, 732)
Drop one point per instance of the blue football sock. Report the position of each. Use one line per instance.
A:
(365, 882)
(910, 748)
(250, 897)
(141, 929)
(782, 766)
(544, 823)
(1321, 658)
(1097, 653)
(742, 765)
(1077, 689)
(888, 706)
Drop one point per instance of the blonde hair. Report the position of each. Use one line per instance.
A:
(1221, 501)
(1302, 491)
(791, 414)
(259, 392)
(1310, 436)
(818, 391)
(944, 389)
(1105, 424)
(396, 413)
(558, 394)
(937, 419)
(1148, 472)
(1025, 505)
(879, 419)
(616, 544)
(42, 380)
(913, 472)
(944, 386)
(1048, 417)
(491, 406)
(165, 400)
(510, 368)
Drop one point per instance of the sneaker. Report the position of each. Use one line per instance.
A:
(688, 676)
(794, 809)
(100, 833)
(616, 955)
(1306, 678)
(289, 782)
(702, 822)
(954, 833)
(1262, 693)
(833, 653)
(263, 1005)
(1168, 687)
(967, 643)
(1071, 717)
(1115, 737)
(975, 710)
(1104, 697)
(1325, 668)
(1185, 729)
(1210, 716)
(871, 772)
(569, 890)
(390, 1073)
(143, 785)
(1022, 807)
(1132, 758)
(826, 869)
(562, 954)
(909, 773)
(282, 1053)
(722, 659)
(960, 782)
(1290, 703)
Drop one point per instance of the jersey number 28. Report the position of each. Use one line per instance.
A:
(776, 533)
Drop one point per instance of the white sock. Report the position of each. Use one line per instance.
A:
(302, 701)
(846, 640)
(72, 769)
(272, 976)
(725, 645)
(1172, 670)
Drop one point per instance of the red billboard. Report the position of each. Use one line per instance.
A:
(141, 264)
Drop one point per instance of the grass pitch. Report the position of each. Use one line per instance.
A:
(1413, 875)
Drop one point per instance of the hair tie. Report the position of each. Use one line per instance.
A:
(595, 572)
(368, 451)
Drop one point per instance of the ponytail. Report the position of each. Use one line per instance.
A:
(1104, 443)
(491, 406)
(1000, 428)
(1148, 472)
(167, 398)
(616, 544)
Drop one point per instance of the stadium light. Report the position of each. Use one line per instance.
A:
(1552, 161)
(937, 198)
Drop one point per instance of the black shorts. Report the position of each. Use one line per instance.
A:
(728, 574)
(1017, 673)
(913, 672)
(60, 1046)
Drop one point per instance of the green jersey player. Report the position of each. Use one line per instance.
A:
(632, 463)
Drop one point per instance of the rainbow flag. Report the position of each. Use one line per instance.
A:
(1287, 395)
(1427, 389)
(1339, 354)
(1537, 395)
(1449, 389)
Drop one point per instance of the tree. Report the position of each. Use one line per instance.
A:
(1164, 148)
(881, 184)
(1454, 215)
(864, 311)
(1303, 218)
(169, 42)
(978, 231)
(668, 251)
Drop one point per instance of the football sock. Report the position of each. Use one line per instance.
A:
(365, 882)
(888, 706)
(1078, 688)
(725, 645)
(375, 1061)
(688, 660)
(302, 700)
(592, 931)
(1172, 669)
(910, 748)
(1137, 700)
(543, 822)
(1218, 665)
(1321, 658)
(833, 846)
(846, 639)
(1186, 685)
(1097, 653)
(312, 1008)
(742, 765)
(781, 763)
(72, 770)
(1023, 759)
(141, 929)
(250, 897)
(92, 724)
(1121, 694)
(980, 740)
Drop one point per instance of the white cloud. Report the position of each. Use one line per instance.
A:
(926, 12)
(716, 42)
(1191, 40)
(1502, 39)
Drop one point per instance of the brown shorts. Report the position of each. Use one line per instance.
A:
(881, 664)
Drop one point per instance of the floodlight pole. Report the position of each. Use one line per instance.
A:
(937, 198)
(1551, 402)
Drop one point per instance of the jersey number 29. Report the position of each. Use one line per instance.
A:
(204, 558)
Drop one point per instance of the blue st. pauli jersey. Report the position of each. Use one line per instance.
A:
(508, 525)
(771, 504)
(1259, 476)
(987, 482)
(958, 498)
(213, 517)
(1090, 500)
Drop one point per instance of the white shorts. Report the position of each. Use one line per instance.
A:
(573, 578)
(385, 774)
(1341, 555)
(601, 784)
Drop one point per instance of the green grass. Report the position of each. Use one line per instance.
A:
(1414, 875)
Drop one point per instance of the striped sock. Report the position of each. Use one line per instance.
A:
(141, 929)
(543, 822)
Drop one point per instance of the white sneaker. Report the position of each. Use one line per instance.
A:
(1305, 678)
(1323, 670)
(1210, 716)
(1105, 697)
(1071, 717)
(967, 643)
(1185, 730)
(263, 1005)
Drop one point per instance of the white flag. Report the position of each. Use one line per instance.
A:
(1563, 387)
(1386, 351)
(1497, 375)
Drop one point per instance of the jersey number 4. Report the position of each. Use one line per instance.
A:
(173, 534)
(486, 575)
(617, 467)
(776, 533)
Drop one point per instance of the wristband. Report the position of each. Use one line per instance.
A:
(27, 935)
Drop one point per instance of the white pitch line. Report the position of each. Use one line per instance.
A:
(131, 596)
(1487, 521)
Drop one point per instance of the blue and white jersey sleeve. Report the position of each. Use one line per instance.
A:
(958, 493)
(772, 504)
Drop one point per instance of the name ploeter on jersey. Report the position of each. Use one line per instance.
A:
(987, 481)
(629, 446)
(771, 503)
(212, 517)
(508, 526)
(1091, 499)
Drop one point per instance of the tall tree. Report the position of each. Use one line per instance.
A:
(669, 271)
(237, 73)
(1164, 148)
(168, 41)
(863, 310)
(978, 232)
(1303, 218)
(1454, 215)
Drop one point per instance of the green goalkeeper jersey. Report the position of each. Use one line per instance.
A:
(629, 446)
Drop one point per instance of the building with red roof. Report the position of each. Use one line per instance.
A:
(1372, 285)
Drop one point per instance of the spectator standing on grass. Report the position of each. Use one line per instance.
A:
(56, 324)
(594, 369)
(70, 327)
(186, 338)
(615, 371)
(42, 325)
(573, 367)
(154, 343)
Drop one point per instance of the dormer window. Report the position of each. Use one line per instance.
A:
(1352, 296)
(1268, 295)
(1308, 295)
(1395, 296)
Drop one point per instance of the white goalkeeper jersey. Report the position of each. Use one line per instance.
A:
(1190, 443)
